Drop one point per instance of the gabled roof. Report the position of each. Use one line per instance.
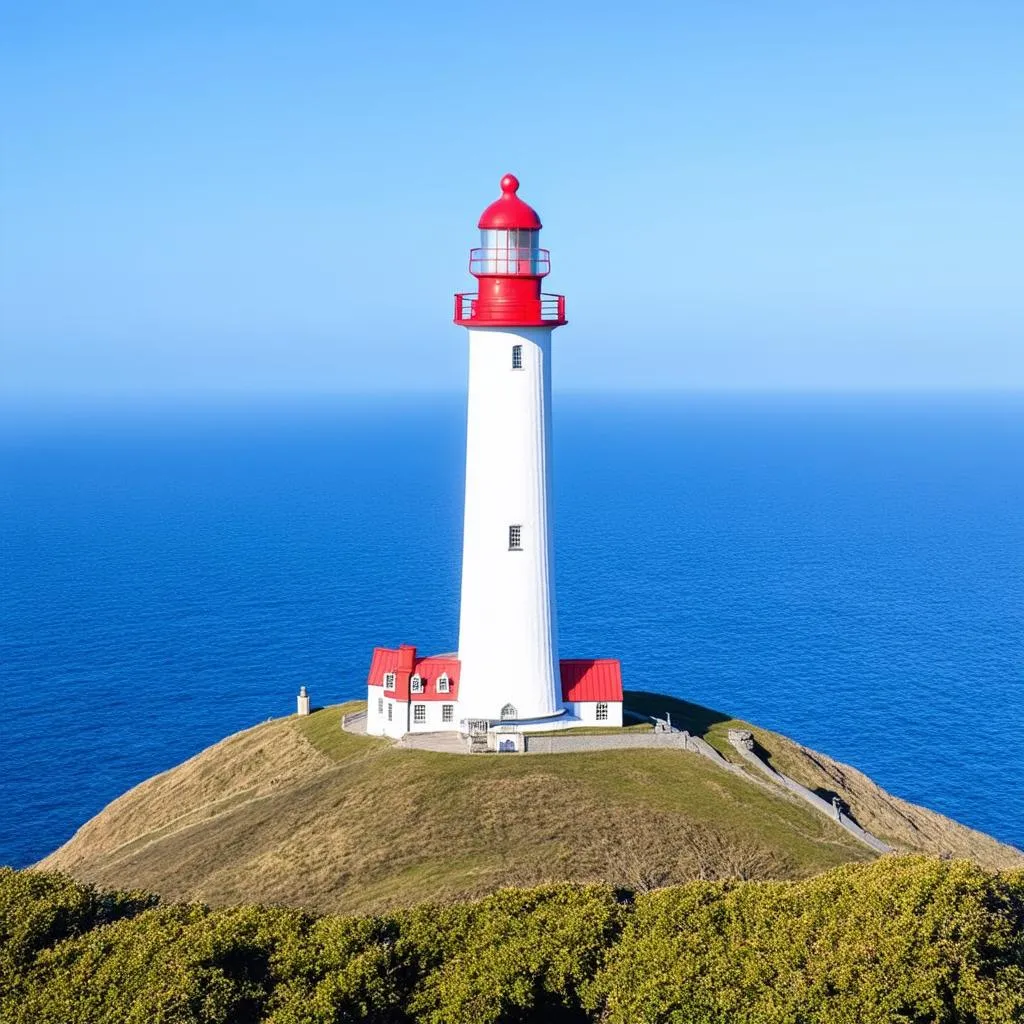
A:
(591, 679)
(405, 664)
(583, 679)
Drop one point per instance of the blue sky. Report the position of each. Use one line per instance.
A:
(280, 197)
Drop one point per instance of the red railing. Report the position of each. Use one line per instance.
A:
(552, 309)
(511, 262)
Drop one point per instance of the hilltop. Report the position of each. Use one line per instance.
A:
(297, 812)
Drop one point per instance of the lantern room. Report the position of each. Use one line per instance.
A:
(509, 265)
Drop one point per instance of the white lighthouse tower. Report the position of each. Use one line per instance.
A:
(507, 680)
(508, 627)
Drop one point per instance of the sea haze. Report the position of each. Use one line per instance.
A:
(848, 571)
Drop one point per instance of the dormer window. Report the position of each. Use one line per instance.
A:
(417, 684)
(389, 680)
(443, 684)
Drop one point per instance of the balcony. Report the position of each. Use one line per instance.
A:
(549, 311)
(521, 262)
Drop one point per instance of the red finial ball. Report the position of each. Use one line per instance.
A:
(510, 184)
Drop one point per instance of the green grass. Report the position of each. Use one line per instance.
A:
(710, 725)
(297, 811)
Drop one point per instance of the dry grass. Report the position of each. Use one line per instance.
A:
(904, 825)
(297, 812)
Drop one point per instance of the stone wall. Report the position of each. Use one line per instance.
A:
(540, 744)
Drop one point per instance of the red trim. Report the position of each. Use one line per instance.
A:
(546, 310)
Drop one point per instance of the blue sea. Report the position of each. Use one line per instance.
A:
(846, 570)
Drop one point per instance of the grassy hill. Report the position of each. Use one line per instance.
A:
(297, 812)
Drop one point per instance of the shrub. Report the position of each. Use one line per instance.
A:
(518, 956)
(903, 939)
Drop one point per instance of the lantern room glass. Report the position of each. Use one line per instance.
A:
(510, 251)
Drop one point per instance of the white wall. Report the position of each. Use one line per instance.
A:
(586, 712)
(434, 722)
(508, 633)
(377, 724)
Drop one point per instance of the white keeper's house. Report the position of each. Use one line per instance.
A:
(506, 677)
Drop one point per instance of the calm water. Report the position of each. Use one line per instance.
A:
(848, 571)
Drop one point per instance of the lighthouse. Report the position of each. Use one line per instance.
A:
(506, 678)
(508, 625)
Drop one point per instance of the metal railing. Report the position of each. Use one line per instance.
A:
(552, 308)
(512, 262)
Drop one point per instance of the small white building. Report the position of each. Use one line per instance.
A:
(406, 693)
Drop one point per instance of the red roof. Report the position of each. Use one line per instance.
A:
(509, 211)
(583, 679)
(587, 679)
(405, 664)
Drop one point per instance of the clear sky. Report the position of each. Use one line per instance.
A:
(265, 197)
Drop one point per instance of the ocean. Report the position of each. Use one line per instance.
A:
(848, 570)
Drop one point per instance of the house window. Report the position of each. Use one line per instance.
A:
(389, 680)
(390, 710)
(515, 538)
(517, 357)
(380, 705)
(602, 712)
(508, 711)
(447, 712)
(442, 683)
(419, 713)
(417, 684)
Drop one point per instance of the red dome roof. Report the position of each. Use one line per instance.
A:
(509, 211)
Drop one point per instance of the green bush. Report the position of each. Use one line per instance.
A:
(518, 957)
(901, 940)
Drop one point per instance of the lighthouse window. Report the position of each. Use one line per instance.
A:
(508, 712)
(447, 712)
(515, 251)
(515, 538)
(602, 712)
(517, 357)
(419, 713)
(417, 684)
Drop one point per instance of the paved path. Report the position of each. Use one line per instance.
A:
(442, 742)
(743, 743)
(355, 722)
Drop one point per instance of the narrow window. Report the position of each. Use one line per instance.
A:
(419, 713)
(417, 684)
(447, 712)
(380, 705)
(517, 357)
(602, 712)
(442, 683)
(390, 709)
(515, 538)
(389, 680)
